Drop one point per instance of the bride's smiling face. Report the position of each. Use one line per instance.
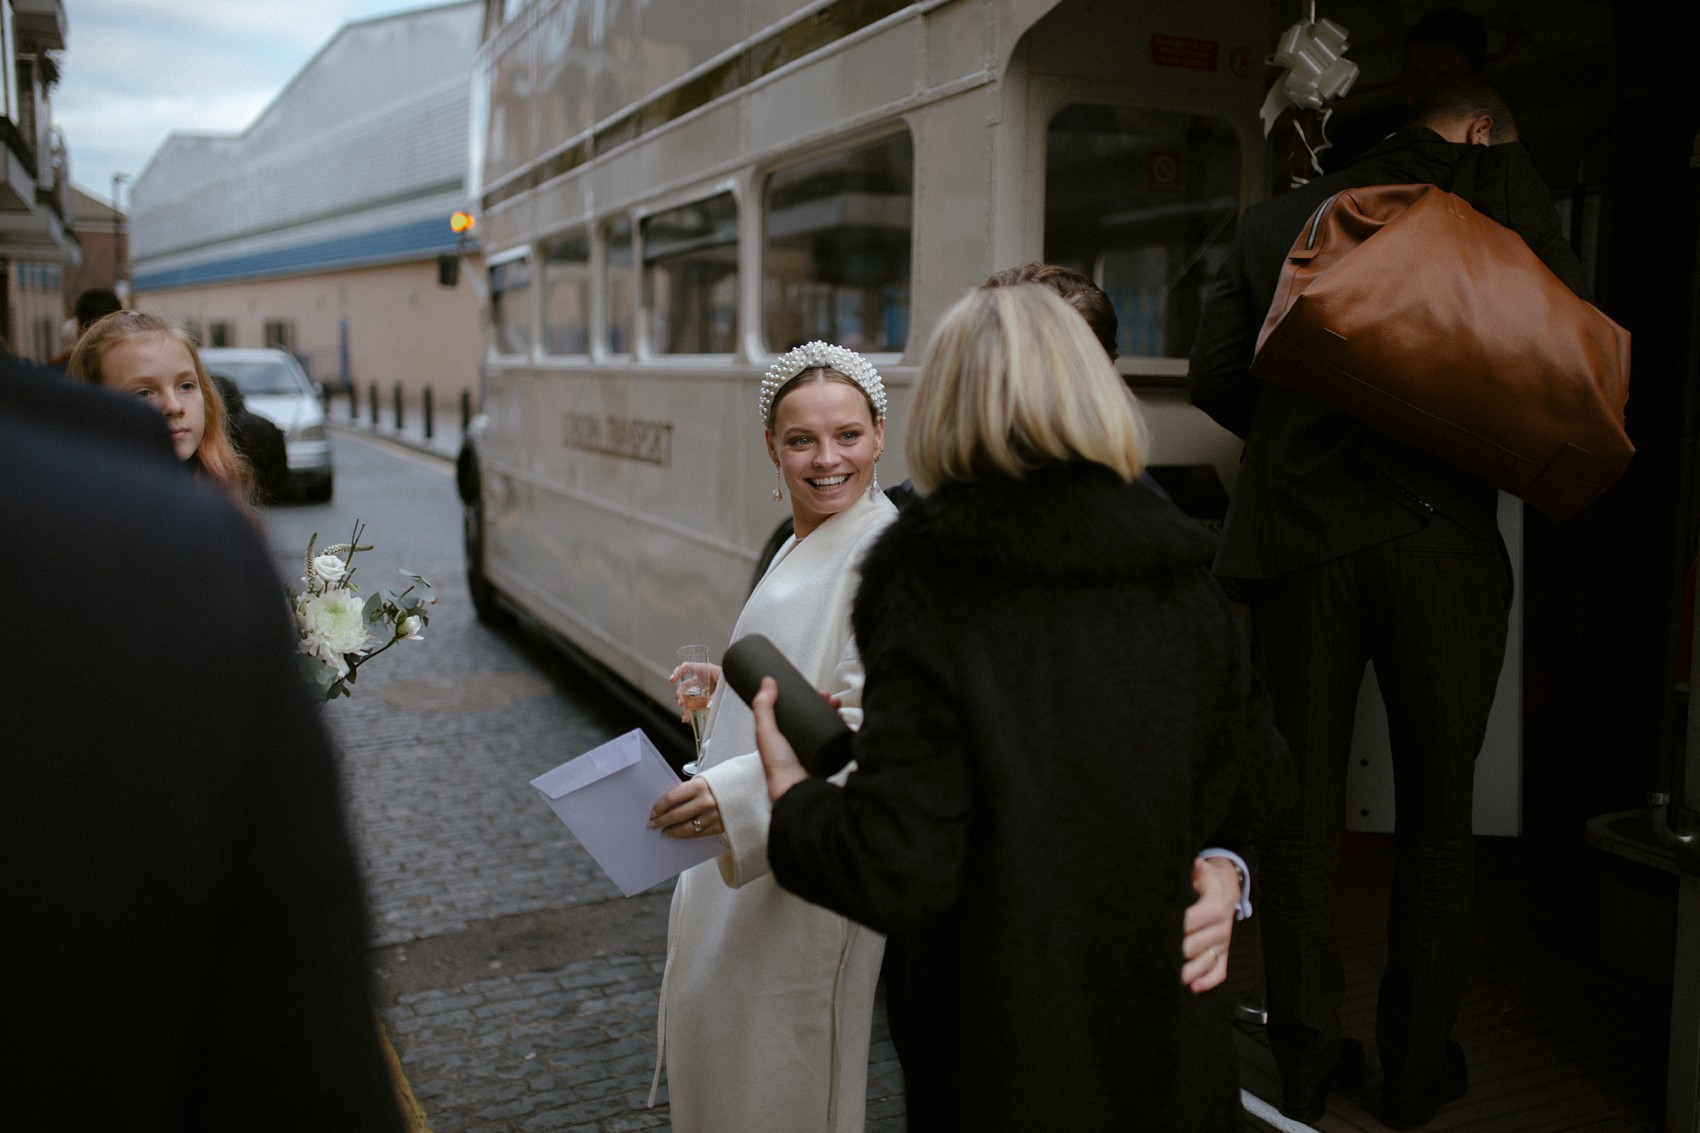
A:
(825, 441)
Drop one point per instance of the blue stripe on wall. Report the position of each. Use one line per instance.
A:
(407, 241)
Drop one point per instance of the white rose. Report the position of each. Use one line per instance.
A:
(410, 627)
(333, 625)
(329, 568)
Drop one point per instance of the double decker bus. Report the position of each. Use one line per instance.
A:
(672, 193)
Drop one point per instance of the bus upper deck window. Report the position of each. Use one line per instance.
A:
(690, 277)
(1145, 202)
(510, 306)
(836, 261)
(566, 295)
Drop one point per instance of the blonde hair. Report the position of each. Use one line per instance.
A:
(1013, 381)
(219, 458)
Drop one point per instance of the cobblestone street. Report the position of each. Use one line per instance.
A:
(516, 983)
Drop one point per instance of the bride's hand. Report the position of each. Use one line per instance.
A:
(707, 672)
(687, 811)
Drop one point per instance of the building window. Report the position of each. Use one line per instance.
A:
(621, 288)
(280, 334)
(1143, 201)
(836, 262)
(510, 305)
(690, 276)
(219, 334)
(566, 295)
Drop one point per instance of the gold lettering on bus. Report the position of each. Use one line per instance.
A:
(627, 437)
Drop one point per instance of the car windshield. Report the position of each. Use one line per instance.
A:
(260, 378)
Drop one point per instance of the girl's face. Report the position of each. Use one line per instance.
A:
(825, 441)
(159, 370)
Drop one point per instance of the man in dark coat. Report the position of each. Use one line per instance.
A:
(1353, 548)
(183, 944)
(92, 306)
(260, 442)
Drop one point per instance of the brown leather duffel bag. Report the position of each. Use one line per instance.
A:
(1438, 327)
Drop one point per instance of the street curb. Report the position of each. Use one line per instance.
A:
(416, 444)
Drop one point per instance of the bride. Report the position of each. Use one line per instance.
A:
(767, 1000)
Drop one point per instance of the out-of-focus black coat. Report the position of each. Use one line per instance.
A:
(1060, 710)
(183, 939)
(259, 441)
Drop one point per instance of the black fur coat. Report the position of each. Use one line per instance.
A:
(1060, 713)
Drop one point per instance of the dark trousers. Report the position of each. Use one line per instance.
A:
(1429, 609)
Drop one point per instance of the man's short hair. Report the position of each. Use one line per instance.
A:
(1454, 28)
(1077, 290)
(1467, 100)
(95, 304)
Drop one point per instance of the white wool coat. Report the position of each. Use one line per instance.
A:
(767, 1000)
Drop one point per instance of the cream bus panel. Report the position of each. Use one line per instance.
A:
(624, 505)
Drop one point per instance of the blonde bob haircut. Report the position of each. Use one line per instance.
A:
(1014, 381)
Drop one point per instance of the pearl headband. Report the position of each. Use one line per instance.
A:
(812, 354)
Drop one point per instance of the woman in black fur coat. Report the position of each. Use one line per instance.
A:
(1060, 709)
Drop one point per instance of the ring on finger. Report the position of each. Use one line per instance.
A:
(696, 824)
(1215, 957)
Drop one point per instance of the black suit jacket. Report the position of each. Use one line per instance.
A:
(183, 939)
(1315, 483)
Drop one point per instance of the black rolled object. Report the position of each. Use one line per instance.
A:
(820, 738)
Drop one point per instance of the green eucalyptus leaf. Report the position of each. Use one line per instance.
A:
(318, 675)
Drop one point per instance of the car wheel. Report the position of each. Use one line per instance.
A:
(321, 492)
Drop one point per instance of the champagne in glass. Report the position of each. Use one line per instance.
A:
(695, 687)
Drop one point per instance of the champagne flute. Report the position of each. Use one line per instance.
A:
(694, 690)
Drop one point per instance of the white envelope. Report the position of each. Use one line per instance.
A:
(604, 796)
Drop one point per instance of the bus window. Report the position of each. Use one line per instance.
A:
(510, 305)
(566, 295)
(1144, 201)
(836, 264)
(620, 287)
(690, 277)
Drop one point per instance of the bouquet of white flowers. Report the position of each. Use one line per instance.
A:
(338, 629)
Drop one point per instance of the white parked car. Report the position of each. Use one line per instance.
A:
(274, 385)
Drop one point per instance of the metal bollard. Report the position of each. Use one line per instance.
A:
(353, 403)
(465, 411)
(398, 407)
(428, 413)
(374, 405)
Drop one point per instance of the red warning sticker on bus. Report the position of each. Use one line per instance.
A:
(1181, 51)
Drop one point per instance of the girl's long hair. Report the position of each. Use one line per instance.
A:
(219, 460)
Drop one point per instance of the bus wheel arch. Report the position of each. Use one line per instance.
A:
(468, 480)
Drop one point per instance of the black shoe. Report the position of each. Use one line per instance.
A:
(1404, 1110)
(1348, 1071)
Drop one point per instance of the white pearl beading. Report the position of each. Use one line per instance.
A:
(811, 354)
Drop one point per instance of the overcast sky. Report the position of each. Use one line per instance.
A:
(135, 70)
